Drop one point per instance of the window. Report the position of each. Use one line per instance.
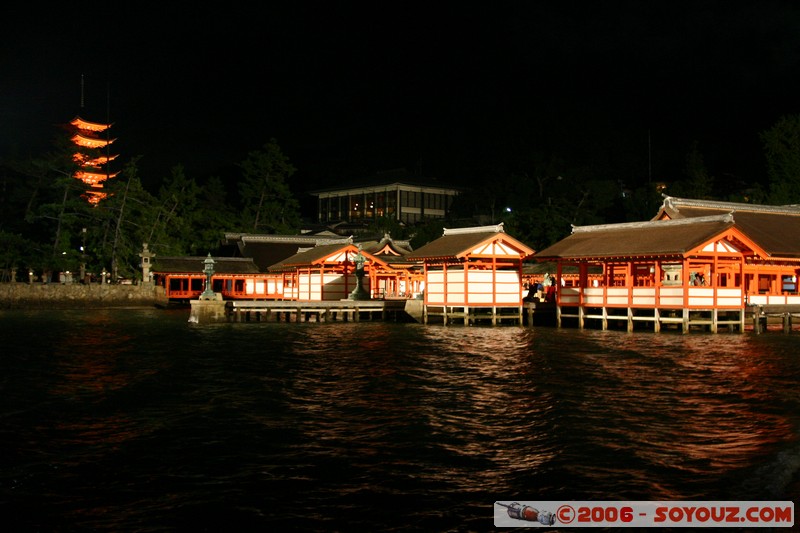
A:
(356, 207)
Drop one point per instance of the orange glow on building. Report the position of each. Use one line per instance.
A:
(93, 178)
(85, 161)
(93, 163)
(93, 196)
(90, 142)
(85, 125)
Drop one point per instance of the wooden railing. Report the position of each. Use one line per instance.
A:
(649, 297)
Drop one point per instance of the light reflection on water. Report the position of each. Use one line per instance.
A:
(136, 420)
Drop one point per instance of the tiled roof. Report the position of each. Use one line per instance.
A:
(776, 229)
(450, 245)
(307, 257)
(674, 237)
(267, 254)
(313, 255)
(457, 242)
(222, 265)
(267, 250)
(400, 247)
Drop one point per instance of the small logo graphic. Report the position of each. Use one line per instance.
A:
(565, 514)
(528, 513)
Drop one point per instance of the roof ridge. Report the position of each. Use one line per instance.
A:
(727, 217)
(306, 239)
(497, 228)
(676, 203)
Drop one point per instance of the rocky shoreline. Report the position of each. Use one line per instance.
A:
(66, 295)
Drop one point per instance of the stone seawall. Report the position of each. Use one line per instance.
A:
(48, 295)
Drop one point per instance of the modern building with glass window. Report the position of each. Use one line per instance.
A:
(408, 201)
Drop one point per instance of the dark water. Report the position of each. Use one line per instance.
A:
(135, 420)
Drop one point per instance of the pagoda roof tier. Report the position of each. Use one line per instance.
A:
(82, 124)
(86, 161)
(92, 178)
(94, 196)
(90, 142)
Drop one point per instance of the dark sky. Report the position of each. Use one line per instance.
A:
(449, 89)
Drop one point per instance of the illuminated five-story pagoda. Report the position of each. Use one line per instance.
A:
(92, 155)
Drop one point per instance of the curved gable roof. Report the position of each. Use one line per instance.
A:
(666, 237)
(267, 250)
(775, 229)
(317, 254)
(457, 243)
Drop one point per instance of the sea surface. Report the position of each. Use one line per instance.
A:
(136, 420)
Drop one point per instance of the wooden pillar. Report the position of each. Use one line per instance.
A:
(583, 275)
(757, 319)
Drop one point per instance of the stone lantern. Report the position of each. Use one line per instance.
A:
(208, 270)
(147, 257)
(359, 293)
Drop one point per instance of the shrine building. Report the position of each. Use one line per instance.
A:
(696, 263)
(473, 275)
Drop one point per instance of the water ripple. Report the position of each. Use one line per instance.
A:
(134, 421)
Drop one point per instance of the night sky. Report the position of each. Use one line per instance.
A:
(454, 90)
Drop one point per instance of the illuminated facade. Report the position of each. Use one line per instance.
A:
(697, 263)
(472, 274)
(92, 157)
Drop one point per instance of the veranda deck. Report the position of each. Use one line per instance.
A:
(321, 311)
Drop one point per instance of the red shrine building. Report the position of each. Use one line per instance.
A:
(294, 267)
(472, 274)
(696, 263)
